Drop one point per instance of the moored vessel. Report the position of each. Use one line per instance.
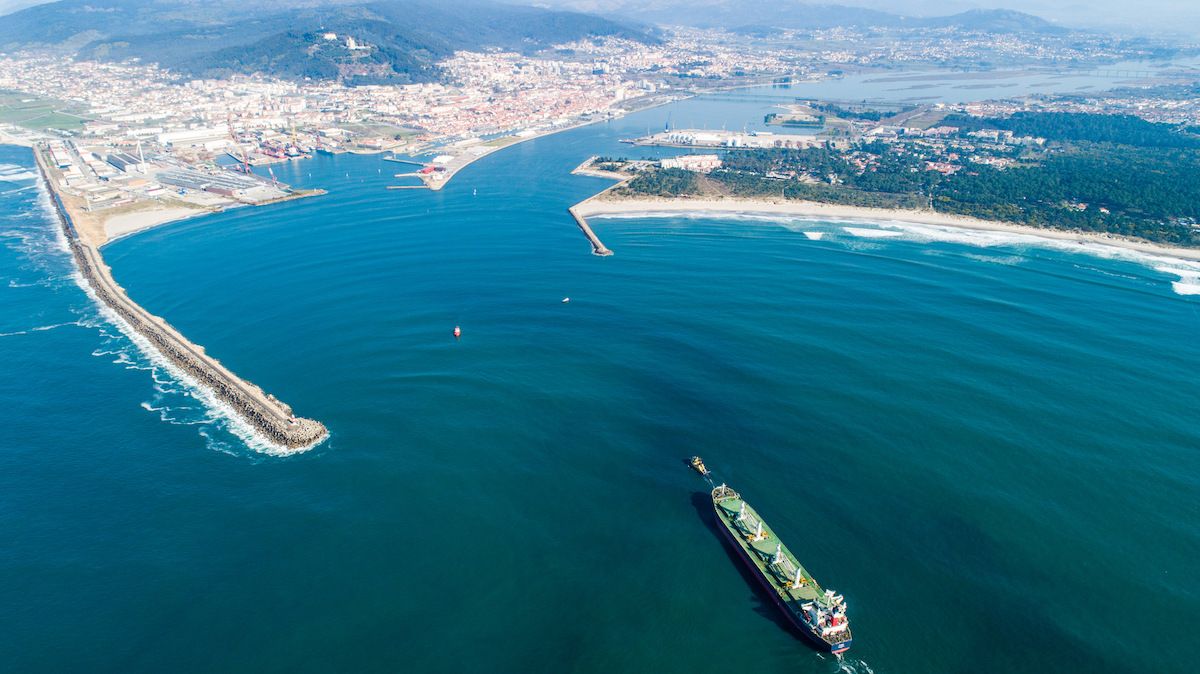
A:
(817, 614)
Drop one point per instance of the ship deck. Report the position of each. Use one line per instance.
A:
(763, 550)
(781, 576)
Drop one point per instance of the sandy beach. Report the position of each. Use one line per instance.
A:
(125, 224)
(605, 204)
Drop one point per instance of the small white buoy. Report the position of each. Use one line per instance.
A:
(566, 299)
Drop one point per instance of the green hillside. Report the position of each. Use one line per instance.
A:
(402, 39)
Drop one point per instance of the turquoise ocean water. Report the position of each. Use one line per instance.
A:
(988, 445)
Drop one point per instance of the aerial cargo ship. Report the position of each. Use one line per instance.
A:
(817, 614)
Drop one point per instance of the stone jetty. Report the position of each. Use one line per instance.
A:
(263, 412)
(598, 247)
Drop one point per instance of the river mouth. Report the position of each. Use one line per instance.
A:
(928, 423)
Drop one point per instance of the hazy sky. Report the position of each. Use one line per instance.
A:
(1176, 16)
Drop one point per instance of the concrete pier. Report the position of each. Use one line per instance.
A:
(260, 410)
(403, 161)
(585, 169)
(598, 247)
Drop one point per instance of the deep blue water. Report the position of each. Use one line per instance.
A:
(988, 446)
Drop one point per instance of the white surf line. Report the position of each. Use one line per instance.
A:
(244, 431)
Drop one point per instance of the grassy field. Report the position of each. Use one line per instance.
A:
(501, 141)
(35, 113)
(380, 131)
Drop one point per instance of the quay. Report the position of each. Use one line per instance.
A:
(403, 161)
(262, 411)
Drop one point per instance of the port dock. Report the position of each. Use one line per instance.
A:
(262, 411)
(403, 161)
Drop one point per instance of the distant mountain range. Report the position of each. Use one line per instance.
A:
(392, 41)
(768, 14)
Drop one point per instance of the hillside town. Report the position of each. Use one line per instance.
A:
(128, 133)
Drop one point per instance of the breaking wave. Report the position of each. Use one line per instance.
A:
(43, 328)
(44, 259)
(869, 229)
(869, 233)
(1188, 271)
(173, 388)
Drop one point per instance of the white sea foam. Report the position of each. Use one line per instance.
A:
(1187, 270)
(1005, 260)
(1189, 278)
(16, 173)
(814, 236)
(853, 666)
(41, 328)
(869, 233)
(219, 414)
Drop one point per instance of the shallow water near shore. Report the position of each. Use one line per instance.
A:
(989, 449)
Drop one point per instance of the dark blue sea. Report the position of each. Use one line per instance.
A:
(987, 443)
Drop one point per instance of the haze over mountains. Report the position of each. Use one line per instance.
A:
(736, 14)
(399, 41)
(393, 40)
(1171, 16)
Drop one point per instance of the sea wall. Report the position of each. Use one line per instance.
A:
(268, 416)
(598, 247)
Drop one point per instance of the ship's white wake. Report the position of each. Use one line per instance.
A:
(852, 665)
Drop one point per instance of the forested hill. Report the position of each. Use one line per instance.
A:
(403, 39)
(1079, 126)
(1101, 173)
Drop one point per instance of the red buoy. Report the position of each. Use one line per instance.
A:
(457, 332)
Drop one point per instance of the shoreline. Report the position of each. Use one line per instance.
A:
(264, 414)
(150, 218)
(451, 172)
(599, 205)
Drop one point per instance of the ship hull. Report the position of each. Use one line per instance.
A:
(796, 623)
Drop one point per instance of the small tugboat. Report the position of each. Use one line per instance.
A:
(698, 465)
(816, 613)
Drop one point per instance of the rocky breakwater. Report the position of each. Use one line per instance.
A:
(267, 415)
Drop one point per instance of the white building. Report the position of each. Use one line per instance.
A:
(702, 163)
(193, 137)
